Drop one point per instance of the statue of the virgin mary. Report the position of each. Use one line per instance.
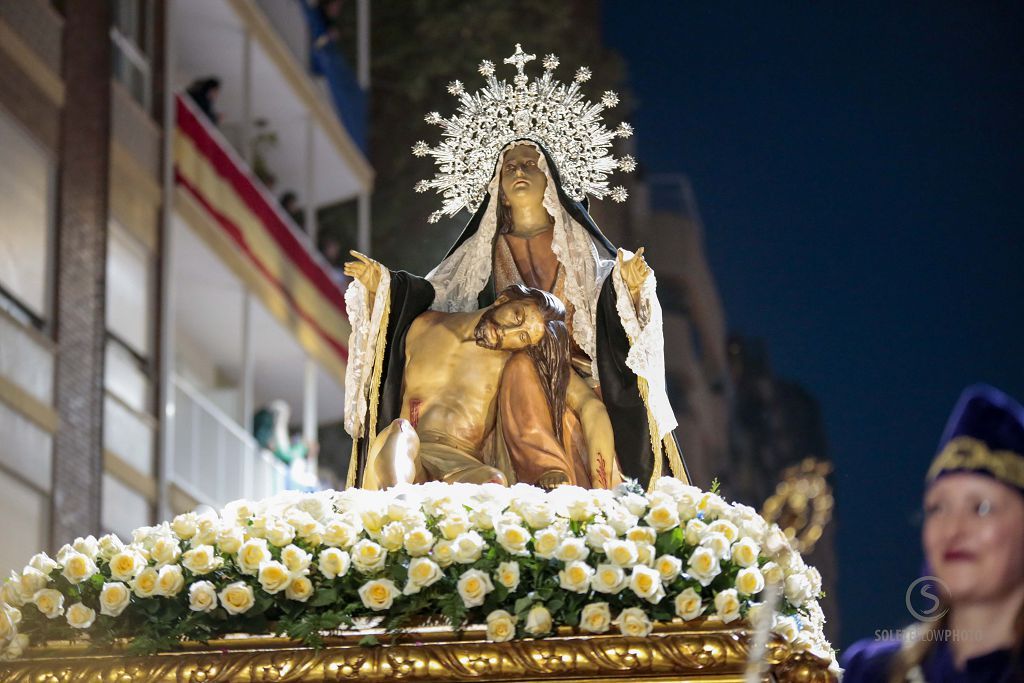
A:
(525, 156)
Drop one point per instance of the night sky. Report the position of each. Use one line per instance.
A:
(859, 170)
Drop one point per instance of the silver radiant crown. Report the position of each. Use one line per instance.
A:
(544, 110)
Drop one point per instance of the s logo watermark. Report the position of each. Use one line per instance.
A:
(923, 601)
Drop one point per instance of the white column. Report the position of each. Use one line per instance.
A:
(363, 43)
(309, 201)
(309, 412)
(246, 123)
(246, 409)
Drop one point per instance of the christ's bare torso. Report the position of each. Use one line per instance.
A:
(451, 384)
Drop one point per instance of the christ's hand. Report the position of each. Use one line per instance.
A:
(365, 270)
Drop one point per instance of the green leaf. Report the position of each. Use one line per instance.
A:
(323, 597)
(369, 641)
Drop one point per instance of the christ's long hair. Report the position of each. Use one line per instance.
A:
(551, 355)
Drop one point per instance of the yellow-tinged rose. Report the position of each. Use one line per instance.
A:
(207, 529)
(454, 525)
(419, 541)
(576, 577)
(333, 562)
(726, 528)
(368, 556)
(546, 542)
(373, 520)
(338, 534)
(300, 589)
(599, 534)
(501, 626)
(694, 531)
(251, 555)
(538, 621)
(423, 572)
(184, 526)
(642, 534)
(230, 539)
(7, 621)
(28, 583)
(392, 536)
(538, 515)
(663, 517)
(727, 605)
(596, 617)
(508, 575)
(50, 602)
(609, 578)
(717, 543)
(125, 565)
(703, 566)
(443, 553)
(572, 549)
(237, 597)
(201, 559)
(165, 550)
(468, 547)
(78, 567)
(646, 583)
(144, 584)
(114, 598)
(669, 566)
(773, 573)
(279, 532)
(634, 622)
(274, 577)
(378, 594)
(296, 559)
(513, 538)
(80, 616)
(473, 587)
(689, 604)
(645, 554)
(622, 553)
(202, 597)
(749, 581)
(45, 563)
(170, 580)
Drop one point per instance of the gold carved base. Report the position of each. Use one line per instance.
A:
(673, 652)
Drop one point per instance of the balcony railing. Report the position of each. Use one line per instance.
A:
(215, 460)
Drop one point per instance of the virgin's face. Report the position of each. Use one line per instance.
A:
(974, 537)
(522, 179)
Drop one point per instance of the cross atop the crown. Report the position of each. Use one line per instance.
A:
(519, 59)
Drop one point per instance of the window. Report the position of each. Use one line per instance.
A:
(132, 35)
(129, 290)
(26, 215)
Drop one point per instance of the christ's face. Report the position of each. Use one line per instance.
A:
(522, 180)
(510, 325)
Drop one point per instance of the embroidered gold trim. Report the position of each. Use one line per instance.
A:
(968, 453)
(378, 370)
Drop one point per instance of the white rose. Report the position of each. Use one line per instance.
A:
(339, 534)
(727, 605)
(207, 529)
(9, 618)
(501, 626)
(513, 538)
(296, 559)
(419, 541)
(303, 523)
(202, 597)
(663, 517)
(572, 549)
(443, 553)
(80, 616)
(633, 622)
(230, 539)
(669, 566)
(201, 559)
(372, 520)
(609, 578)
(454, 525)
(145, 581)
(798, 589)
(712, 505)
(581, 509)
(29, 582)
(635, 503)
(368, 556)
(473, 587)
(538, 515)
(724, 527)
(749, 581)
(125, 565)
(645, 554)
(251, 555)
(423, 572)
(686, 505)
(775, 541)
(538, 621)
(786, 627)
(237, 597)
(44, 563)
(300, 589)
(170, 580)
(703, 566)
(279, 532)
(646, 583)
(773, 573)
(378, 594)
(114, 598)
(745, 552)
(689, 604)
(546, 542)
(392, 536)
(694, 530)
(507, 575)
(576, 577)
(333, 562)
(165, 550)
(77, 567)
(599, 534)
(50, 602)
(88, 546)
(596, 617)
(814, 579)
(274, 577)
(620, 520)
(184, 526)
(17, 646)
(622, 553)
(717, 543)
(642, 535)
(468, 547)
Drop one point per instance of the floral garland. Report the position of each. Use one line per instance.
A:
(520, 560)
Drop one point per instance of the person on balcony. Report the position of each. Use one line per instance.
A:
(204, 92)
